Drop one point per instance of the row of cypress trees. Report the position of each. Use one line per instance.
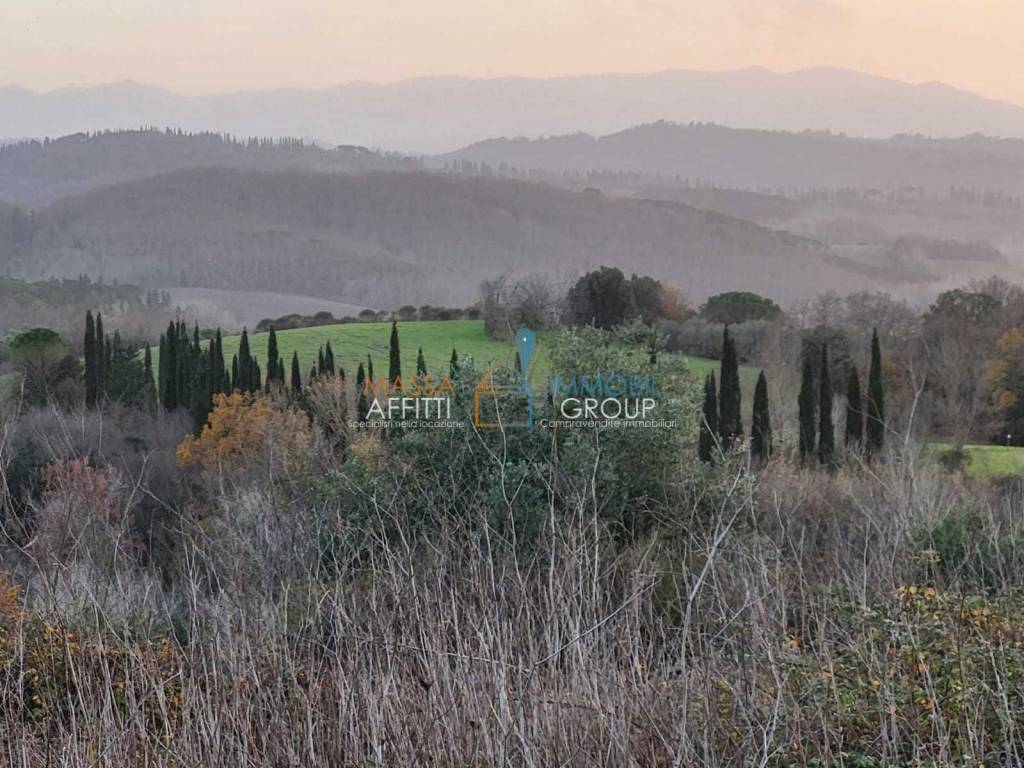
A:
(112, 369)
(721, 424)
(864, 428)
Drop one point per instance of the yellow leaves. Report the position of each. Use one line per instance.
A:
(10, 603)
(244, 432)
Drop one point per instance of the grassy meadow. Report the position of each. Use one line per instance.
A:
(352, 342)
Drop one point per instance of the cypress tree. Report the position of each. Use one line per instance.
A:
(280, 370)
(807, 405)
(245, 368)
(826, 429)
(236, 384)
(257, 376)
(161, 382)
(101, 358)
(453, 364)
(108, 366)
(321, 362)
(362, 406)
(296, 374)
(329, 360)
(730, 420)
(761, 423)
(421, 364)
(272, 356)
(853, 434)
(876, 399)
(169, 360)
(395, 360)
(313, 375)
(709, 421)
(149, 388)
(369, 367)
(90, 360)
(221, 375)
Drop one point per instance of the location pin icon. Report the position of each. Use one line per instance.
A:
(525, 342)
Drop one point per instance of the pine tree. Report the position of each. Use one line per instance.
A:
(453, 364)
(362, 406)
(826, 429)
(761, 423)
(730, 420)
(708, 439)
(876, 399)
(853, 436)
(296, 375)
(90, 361)
(421, 364)
(395, 360)
(807, 406)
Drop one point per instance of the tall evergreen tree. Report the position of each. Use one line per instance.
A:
(395, 358)
(876, 399)
(149, 387)
(761, 422)
(321, 362)
(272, 356)
(362, 405)
(169, 358)
(329, 360)
(730, 420)
(101, 358)
(245, 364)
(707, 442)
(807, 403)
(453, 364)
(280, 370)
(853, 433)
(161, 381)
(221, 375)
(421, 364)
(826, 429)
(90, 361)
(296, 374)
(236, 383)
(369, 367)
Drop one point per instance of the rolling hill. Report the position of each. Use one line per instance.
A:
(767, 161)
(387, 239)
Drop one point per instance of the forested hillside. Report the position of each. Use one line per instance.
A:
(37, 172)
(384, 239)
(769, 160)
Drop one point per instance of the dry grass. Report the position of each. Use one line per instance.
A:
(764, 625)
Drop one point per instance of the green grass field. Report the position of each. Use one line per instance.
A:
(995, 461)
(352, 342)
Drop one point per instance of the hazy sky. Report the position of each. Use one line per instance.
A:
(204, 46)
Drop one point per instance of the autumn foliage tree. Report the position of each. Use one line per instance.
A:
(246, 432)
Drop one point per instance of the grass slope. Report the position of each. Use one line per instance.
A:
(352, 342)
(995, 461)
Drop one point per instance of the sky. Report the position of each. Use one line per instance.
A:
(212, 46)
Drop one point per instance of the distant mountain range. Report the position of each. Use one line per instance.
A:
(441, 114)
